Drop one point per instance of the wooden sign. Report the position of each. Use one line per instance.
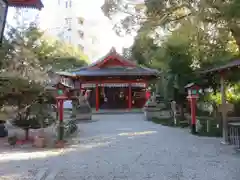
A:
(225, 108)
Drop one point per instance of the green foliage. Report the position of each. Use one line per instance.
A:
(70, 127)
(164, 122)
(35, 116)
(12, 140)
(215, 16)
(214, 128)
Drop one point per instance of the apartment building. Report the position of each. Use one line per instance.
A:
(80, 23)
(66, 23)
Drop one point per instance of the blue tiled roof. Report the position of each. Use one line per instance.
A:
(116, 71)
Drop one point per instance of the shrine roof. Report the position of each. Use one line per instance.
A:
(228, 66)
(35, 4)
(116, 71)
(112, 53)
(112, 64)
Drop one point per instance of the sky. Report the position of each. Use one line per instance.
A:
(106, 38)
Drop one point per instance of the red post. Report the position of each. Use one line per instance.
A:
(192, 100)
(60, 110)
(97, 97)
(129, 96)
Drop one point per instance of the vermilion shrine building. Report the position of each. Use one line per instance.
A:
(113, 82)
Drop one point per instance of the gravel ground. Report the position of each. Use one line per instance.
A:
(114, 147)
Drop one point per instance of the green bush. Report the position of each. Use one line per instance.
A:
(214, 131)
(163, 121)
(70, 127)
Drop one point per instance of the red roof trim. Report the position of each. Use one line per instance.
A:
(36, 4)
(114, 58)
(111, 56)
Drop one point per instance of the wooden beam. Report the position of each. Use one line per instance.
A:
(113, 81)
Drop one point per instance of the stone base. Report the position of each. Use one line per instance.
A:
(83, 117)
(39, 142)
(157, 114)
(224, 143)
(60, 144)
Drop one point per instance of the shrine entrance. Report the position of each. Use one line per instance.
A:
(113, 82)
(117, 97)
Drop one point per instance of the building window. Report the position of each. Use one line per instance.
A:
(80, 20)
(68, 22)
(80, 33)
(68, 3)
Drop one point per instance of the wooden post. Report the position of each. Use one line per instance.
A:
(97, 97)
(80, 87)
(129, 96)
(224, 114)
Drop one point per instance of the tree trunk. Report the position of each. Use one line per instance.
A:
(235, 29)
(26, 134)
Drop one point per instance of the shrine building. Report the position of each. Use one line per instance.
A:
(113, 82)
(35, 4)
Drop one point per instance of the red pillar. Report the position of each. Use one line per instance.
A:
(146, 93)
(129, 96)
(97, 97)
(60, 103)
(193, 114)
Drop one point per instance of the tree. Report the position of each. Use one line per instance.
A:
(53, 53)
(26, 56)
(169, 15)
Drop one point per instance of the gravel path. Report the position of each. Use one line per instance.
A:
(123, 147)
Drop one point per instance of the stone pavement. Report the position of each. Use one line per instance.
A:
(124, 147)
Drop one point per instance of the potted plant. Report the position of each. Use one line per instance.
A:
(12, 140)
(39, 140)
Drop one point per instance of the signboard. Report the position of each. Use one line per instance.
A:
(3, 16)
(225, 108)
(114, 85)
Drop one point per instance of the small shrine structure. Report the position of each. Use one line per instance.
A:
(223, 71)
(113, 82)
